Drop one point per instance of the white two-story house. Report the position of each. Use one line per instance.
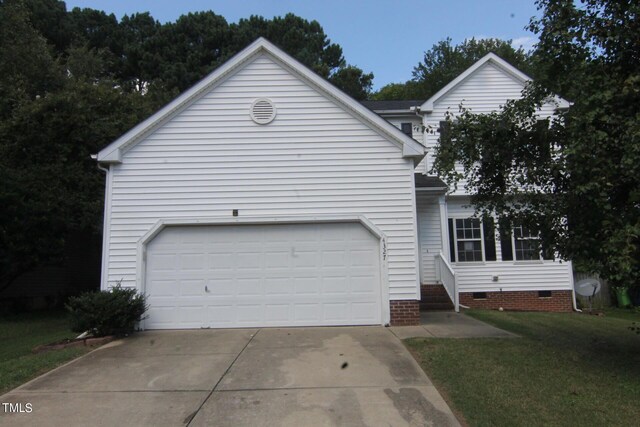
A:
(477, 264)
(265, 196)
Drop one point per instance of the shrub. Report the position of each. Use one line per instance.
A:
(112, 312)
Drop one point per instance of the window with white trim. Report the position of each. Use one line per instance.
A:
(526, 244)
(472, 240)
(523, 244)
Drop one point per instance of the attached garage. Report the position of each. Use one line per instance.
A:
(295, 274)
(263, 196)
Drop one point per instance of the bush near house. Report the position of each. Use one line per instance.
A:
(112, 312)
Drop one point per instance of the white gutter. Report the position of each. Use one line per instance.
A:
(573, 288)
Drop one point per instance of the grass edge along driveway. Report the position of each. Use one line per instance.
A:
(566, 369)
(19, 334)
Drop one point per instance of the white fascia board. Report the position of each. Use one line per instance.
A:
(261, 44)
(413, 150)
(113, 156)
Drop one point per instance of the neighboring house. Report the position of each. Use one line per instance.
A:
(264, 196)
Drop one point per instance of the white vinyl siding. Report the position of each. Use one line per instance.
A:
(415, 121)
(313, 159)
(512, 275)
(484, 91)
(430, 235)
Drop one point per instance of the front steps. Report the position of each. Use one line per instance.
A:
(434, 298)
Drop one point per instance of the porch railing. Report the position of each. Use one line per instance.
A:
(446, 276)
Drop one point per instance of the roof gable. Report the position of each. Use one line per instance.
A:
(114, 151)
(497, 62)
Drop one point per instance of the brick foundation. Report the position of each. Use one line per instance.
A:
(405, 312)
(559, 301)
(434, 297)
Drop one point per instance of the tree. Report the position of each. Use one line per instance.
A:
(444, 62)
(72, 82)
(398, 92)
(576, 178)
(307, 42)
(49, 185)
(353, 81)
(27, 68)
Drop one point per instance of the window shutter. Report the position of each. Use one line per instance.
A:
(489, 231)
(444, 128)
(547, 253)
(452, 243)
(505, 244)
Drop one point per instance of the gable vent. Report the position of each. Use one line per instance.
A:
(263, 111)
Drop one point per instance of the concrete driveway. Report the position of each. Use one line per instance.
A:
(356, 376)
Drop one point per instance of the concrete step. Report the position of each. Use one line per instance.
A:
(435, 306)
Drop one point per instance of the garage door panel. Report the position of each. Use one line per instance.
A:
(362, 311)
(249, 287)
(191, 288)
(263, 275)
(192, 261)
(277, 287)
(361, 284)
(162, 262)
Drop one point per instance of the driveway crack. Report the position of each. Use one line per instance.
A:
(190, 418)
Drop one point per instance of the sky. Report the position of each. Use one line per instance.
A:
(385, 37)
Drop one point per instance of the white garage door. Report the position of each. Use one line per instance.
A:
(263, 275)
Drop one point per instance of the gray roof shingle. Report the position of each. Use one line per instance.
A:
(424, 181)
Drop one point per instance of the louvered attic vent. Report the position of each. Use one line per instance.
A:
(263, 111)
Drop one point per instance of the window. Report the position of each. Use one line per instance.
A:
(479, 295)
(526, 244)
(407, 129)
(544, 294)
(523, 243)
(472, 239)
(468, 240)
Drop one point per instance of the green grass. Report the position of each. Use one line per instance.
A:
(631, 314)
(20, 334)
(566, 369)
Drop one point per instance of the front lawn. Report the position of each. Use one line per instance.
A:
(19, 334)
(566, 369)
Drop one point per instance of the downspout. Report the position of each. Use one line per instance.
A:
(103, 266)
(573, 289)
(575, 305)
(102, 168)
(416, 110)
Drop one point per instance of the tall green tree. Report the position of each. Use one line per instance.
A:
(49, 185)
(445, 61)
(353, 81)
(27, 67)
(307, 42)
(577, 178)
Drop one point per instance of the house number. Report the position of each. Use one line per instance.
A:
(384, 250)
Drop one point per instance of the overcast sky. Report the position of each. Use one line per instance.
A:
(385, 37)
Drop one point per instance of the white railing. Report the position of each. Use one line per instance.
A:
(446, 276)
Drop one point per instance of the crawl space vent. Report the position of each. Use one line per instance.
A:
(263, 111)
